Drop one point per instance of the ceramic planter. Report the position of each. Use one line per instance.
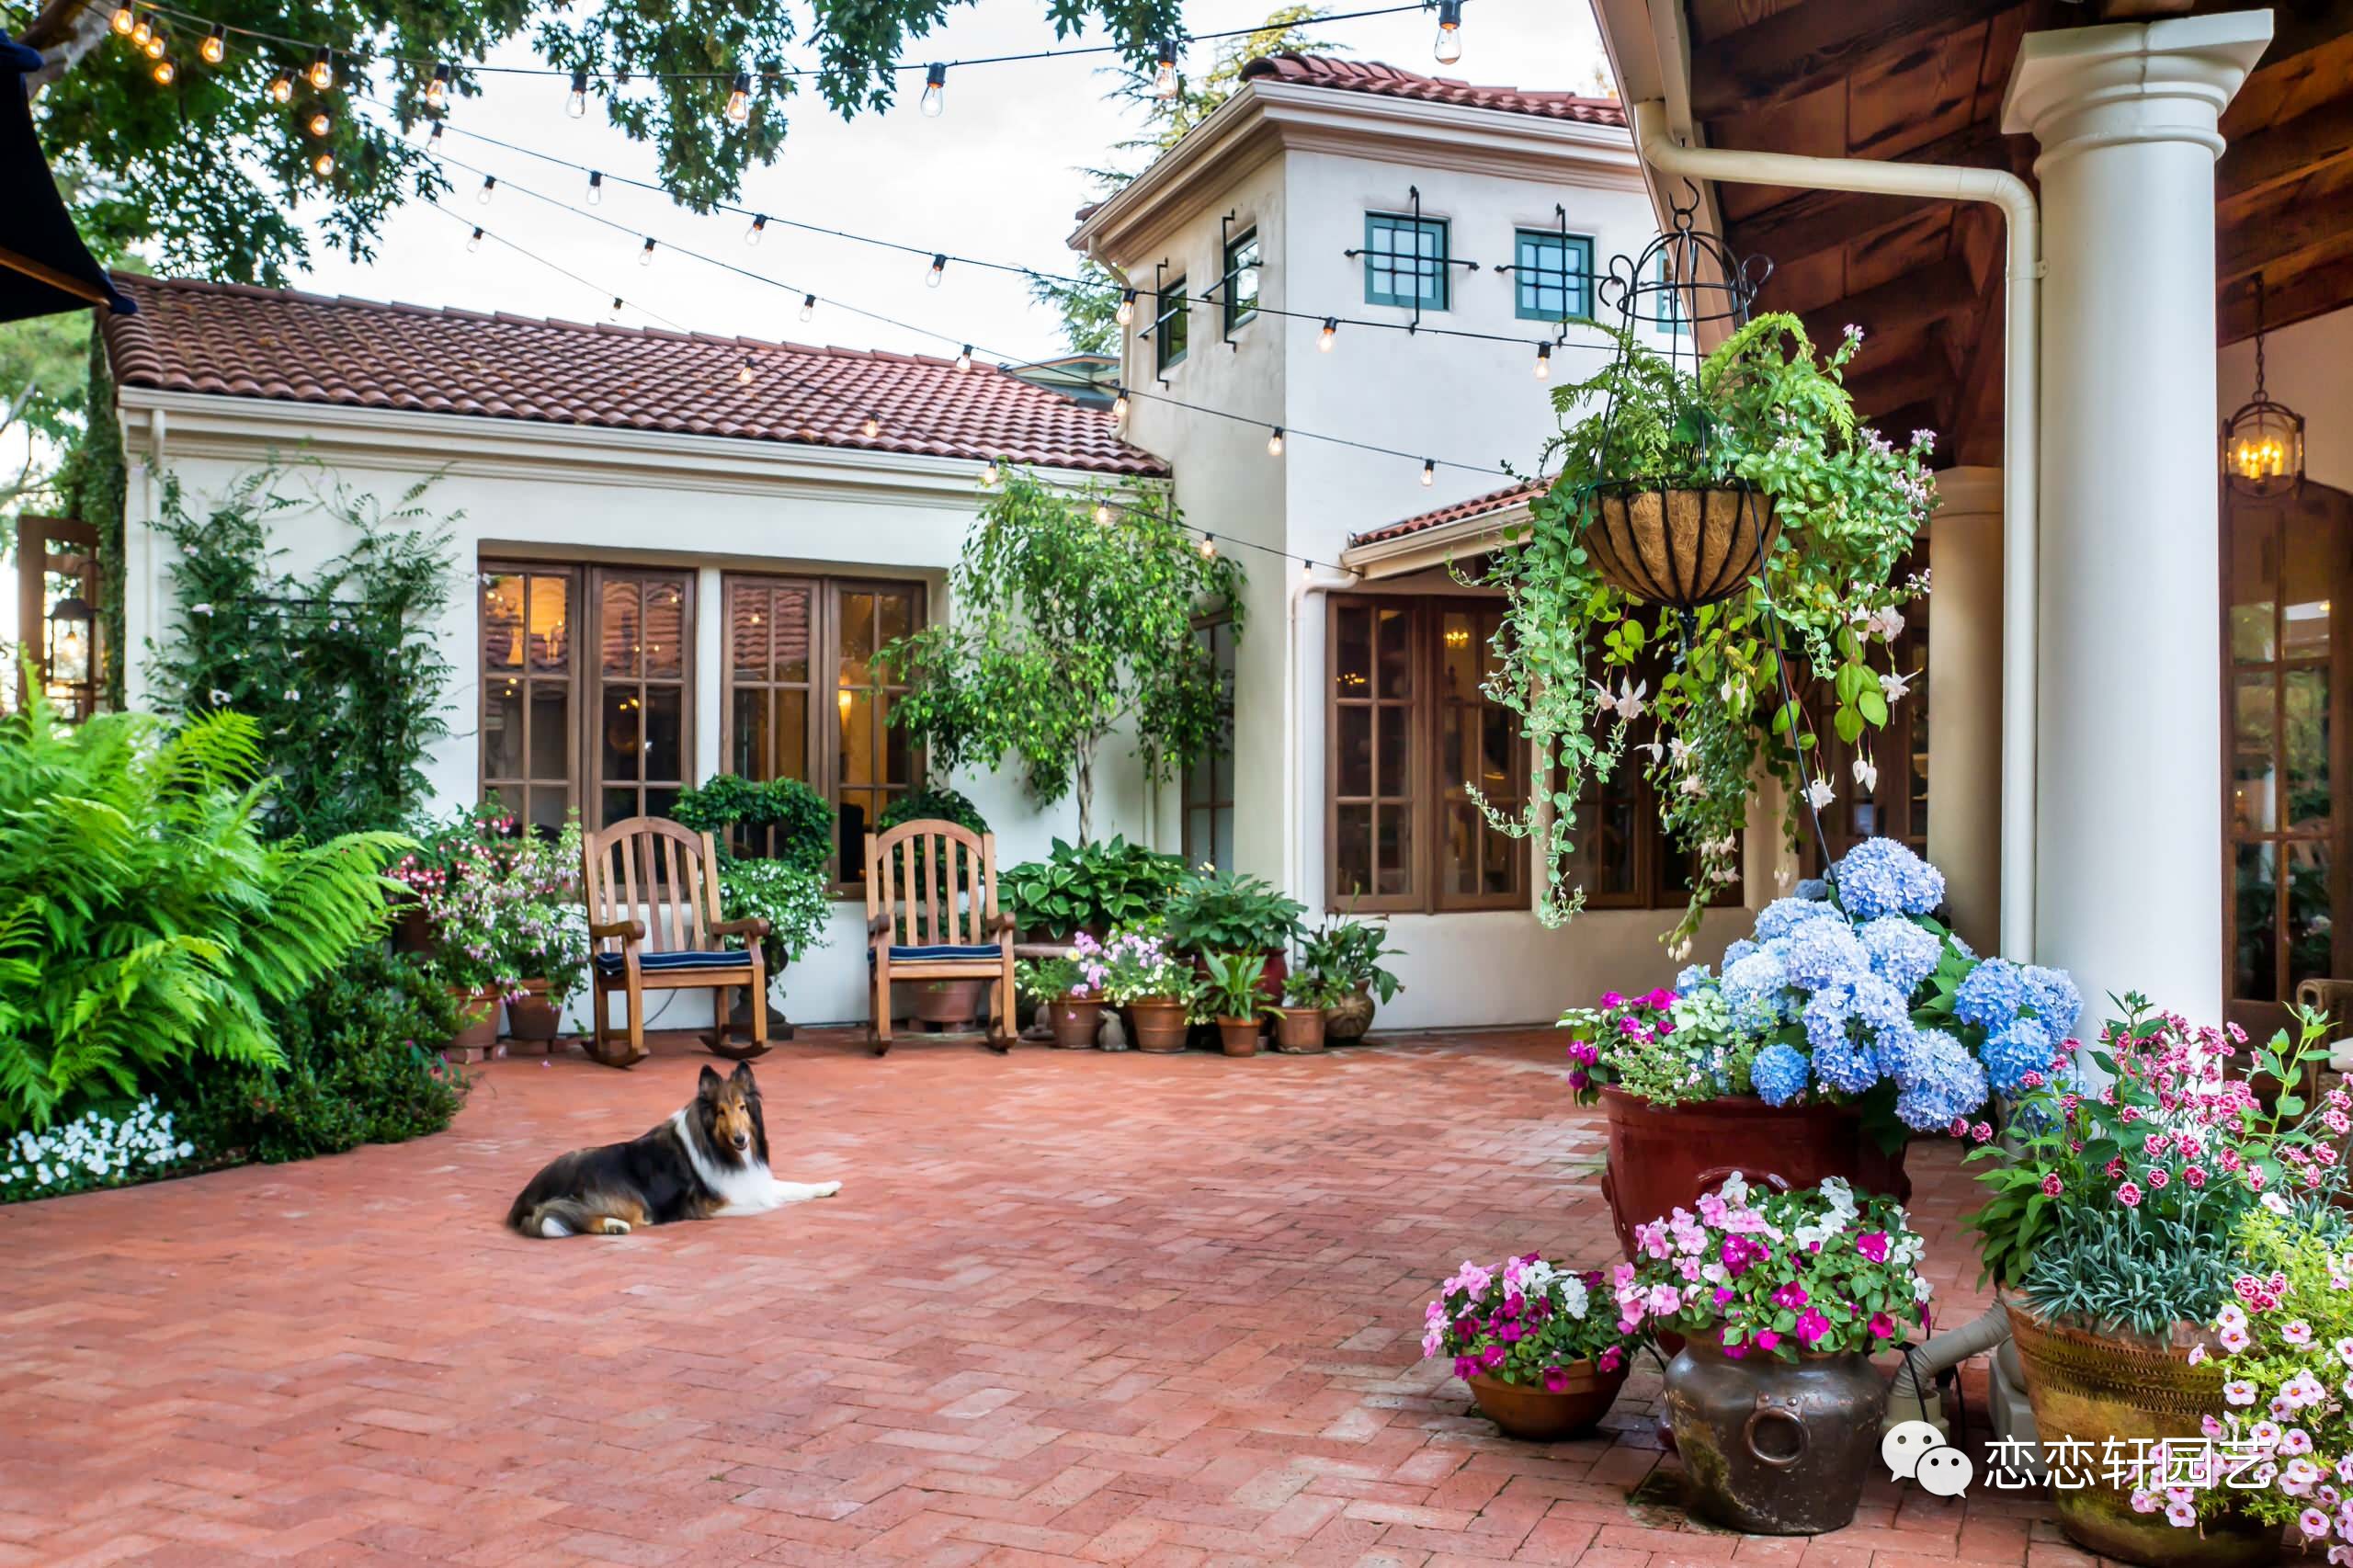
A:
(1344, 1022)
(477, 1036)
(1237, 1037)
(948, 1002)
(1685, 548)
(1534, 1413)
(1074, 1023)
(1772, 1446)
(2119, 1386)
(1662, 1159)
(1157, 1024)
(531, 1020)
(1299, 1030)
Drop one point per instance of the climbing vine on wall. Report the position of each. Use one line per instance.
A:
(90, 485)
(342, 668)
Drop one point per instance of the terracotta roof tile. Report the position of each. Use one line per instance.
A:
(235, 340)
(1477, 506)
(1370, 76)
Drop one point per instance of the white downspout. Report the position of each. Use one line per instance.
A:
(1295, 711)
(2021, 418)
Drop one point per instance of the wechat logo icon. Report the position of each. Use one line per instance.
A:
(1916, 1450)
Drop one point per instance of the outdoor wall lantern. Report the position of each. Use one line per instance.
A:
(2263, 442)
(71, 621)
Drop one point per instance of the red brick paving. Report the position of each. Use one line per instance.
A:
(1069, 1308)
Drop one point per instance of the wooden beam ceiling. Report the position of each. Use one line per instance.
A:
(2315, 292)
(2295, 234)
(1931, 293)
(1814, 43)
(2287, 152)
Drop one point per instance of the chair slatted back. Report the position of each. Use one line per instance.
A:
(936, 882)
(651, 868)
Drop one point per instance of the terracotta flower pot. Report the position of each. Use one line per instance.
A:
(1074, 1023)
(2124, 1391)
(1686, 547)
(948, 1001)
(531, 1017)
(1772, 1446)
(1345, 1023)
(1662, 1159)
(411, 932)
(1157, 1024)
(1534, 1413)
(477, 1034)
(1299, 1030)
(1238, 1037)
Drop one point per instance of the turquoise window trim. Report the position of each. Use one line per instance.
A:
(1381, 252)
(1552, 275)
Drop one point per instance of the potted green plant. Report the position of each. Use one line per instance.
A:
(1299, 1025)
(1098, 888)
(1231, 997)
(1151, 985)
(2117, 1226)
(1773, 1401)
(1538, 1346)
(1212, 911)
(753, 822)
(792, 898)
(1347, 952)
(947, 1003)
(1063, 987)
(1753, 473)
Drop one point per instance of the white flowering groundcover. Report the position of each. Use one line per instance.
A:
(93, 1150)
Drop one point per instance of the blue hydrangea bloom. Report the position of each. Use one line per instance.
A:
(1879, 1007)
(1906, 1056)
(1780, 1073)
(1693, 977)
(1879, 876)
(1826, 1015)
(1812, 889)
(2057, 1003)
(1740, 948)
(1991, 995)
(1825, 953)
(1948, 1083)
(1754, 980)
(2012, 1053)
(1903, 952)
(1784, 916)
(1845, 1066)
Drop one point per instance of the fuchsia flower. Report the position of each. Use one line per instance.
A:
(1882, 1327)
(1872, 1244)
(1791, 1295)
(1555, 1379)
(1813, 1327)
(1766, 1338)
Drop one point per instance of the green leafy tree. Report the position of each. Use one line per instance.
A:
(1068, 629)
(1089, 306)
(208, 170)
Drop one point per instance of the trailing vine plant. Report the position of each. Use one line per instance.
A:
(341, 670)
(1577, 657)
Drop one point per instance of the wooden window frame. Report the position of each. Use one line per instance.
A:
(1236, 313)
(830, 759)
(1654, 857)
(1377, 261)
(598, 683)
(1530, 276)
(812, 730)
(485, 785)
(1220, 762)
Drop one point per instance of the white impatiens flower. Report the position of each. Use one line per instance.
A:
(219, 697)
(199, 609)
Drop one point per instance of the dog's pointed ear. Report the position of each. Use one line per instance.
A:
(742, 1077)
(708, 1084)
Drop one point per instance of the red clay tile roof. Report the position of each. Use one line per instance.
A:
(233, 340)
(1477, 506)
(1369, 77)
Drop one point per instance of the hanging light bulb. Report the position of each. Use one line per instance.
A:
(473, 241)
(436, 91)
(156, 42)
(124, 19)
(1429, 471)
(164, 73)
(645, 256)
(760, 227)
(1543, 366)
(215, 46)
(808, 307)
(143, 28)
(320, 123)
(989, 474)
(934, 90)
(1331, 330)
(323, 164)
(321, 71)
(938, 265)
(739, 98)
(1448, 48)
(433, 141)
(595, 188)
(1275, 442)
(744, 372)
(872, 426)
(964, 357)
(615, 313)
(489, 185)
(575, 103)
(1306, 570)
(1102, 514)
(1127, 311)
(1120, 404)
(281, 90)
(1163, 83)
(1209, 547)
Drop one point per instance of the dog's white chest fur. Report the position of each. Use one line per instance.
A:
(743, 1190)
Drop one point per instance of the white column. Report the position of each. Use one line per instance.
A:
(1965, 698)
(2127, 775)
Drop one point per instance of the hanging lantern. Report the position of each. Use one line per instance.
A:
(2263, 442)
(72, 623)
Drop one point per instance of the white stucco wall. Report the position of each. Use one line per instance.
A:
(571, 495)
(2309, 367)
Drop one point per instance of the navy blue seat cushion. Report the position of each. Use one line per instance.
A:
(920, 955)
(649, 963)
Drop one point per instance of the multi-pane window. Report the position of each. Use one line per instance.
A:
(642, 744)
(1626, 860)
(1241, 287)
(1412, 738)
(1552, 275)
(770, 665)
(1207, 791)
(873, 763)
(1404, 261)
(1172, 331)
(529, 724)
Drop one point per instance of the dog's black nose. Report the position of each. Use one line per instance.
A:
(742, 1140)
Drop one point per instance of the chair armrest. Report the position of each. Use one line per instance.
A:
(599, 930)
(1002, 921)
(754, 926)
(877, 925)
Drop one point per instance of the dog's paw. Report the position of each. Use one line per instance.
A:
(611, 1226)
(827, 1189)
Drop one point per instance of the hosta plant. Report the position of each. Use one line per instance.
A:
(1213, 911)
(1525, 1321)
(1599, 679)
(1099, 887)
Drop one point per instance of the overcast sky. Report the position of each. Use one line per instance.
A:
(996, 177)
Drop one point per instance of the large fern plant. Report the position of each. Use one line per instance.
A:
(144, 919)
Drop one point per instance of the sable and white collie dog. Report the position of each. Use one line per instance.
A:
(710, 1159)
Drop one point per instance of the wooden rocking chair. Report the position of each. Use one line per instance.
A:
(672, 874)
(931, 914)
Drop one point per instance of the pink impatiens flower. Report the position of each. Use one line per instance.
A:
(1813, 1327)
(1872, 1244)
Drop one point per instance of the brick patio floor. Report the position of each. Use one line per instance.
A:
(1069, 1308)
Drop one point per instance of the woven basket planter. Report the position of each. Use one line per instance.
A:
(1682, 548)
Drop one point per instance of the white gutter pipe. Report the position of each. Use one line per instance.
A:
(1295, 713)
(2021, 418)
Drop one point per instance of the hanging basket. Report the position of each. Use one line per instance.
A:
(1682, 548)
